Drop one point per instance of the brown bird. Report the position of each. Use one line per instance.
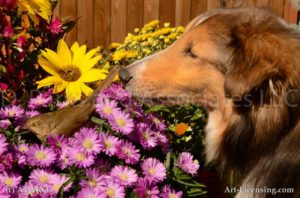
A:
(68, 119)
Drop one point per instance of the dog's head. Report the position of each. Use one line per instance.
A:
(223, 54)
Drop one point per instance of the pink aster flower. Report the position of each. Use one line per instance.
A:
(31, 113)
(12, 112)
(146, 136)
(3, 191)
(187, 164)
(167, 192)
(112, 190)
(124, 176)
(39, 102)
(40, 156)
(57, 142)
(146, 189)
(121, 122)
(105, 107)
(63, 160)
(8, 31)
(153, 170)
(21, 41)
(80, 158)
(56, 27)
(94, 178)
(3, 144)
(40, 177)
(88, 140)
(56, 182)
(4, 124)
(10, 180)
(103, 166)
(89, 193)
(6, 161)
(62, 104)
(128, 152)
(109, 144)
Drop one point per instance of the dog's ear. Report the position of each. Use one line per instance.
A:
(254, 62)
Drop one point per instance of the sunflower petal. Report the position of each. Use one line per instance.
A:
(75, 47)
(48, 66)
(78, 55)
(59, 87)
(73, 91)
(48, 81)
(92, 75)
(64, 53)
(52, 57)
(86, 89)
(90, 64)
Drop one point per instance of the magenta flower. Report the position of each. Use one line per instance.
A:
(103, 166)
(8, 31)
(88, 140)
(3, 191)
(187, 164)
(40, 156)
(55, 26)
(8, 4)
(62, 104)
(56, 183)
(128, 152)
(12, 112)
(146, 136)
(109, 144)
(4, 124)
(121, 122)
(39, 102)
(31, 113)
(111, 190)
(21, 41)
(146, 189)
(94, 178)
(154, 170)
(123, 175)
(89, 193)
(57, 142)
(40, 177)
(105, 107)
(10, 180)
(80, 158)
(6, 161)
(63, 160)
(3, 144)
(168, 192)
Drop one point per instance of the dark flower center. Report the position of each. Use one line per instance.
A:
(70, 73)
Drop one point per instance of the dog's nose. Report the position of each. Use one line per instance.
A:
(124, 75)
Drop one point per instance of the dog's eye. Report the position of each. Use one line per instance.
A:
(189, 52)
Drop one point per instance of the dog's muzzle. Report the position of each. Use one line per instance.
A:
(124, 76)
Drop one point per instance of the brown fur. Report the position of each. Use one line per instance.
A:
(243, 66)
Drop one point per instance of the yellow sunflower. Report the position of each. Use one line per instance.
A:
(71, 69)
(42, 8)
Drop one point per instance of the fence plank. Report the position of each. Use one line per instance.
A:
(134, 14)
(151, 10)
(56, 11)
(290, 13)
(212, 4)
(85, 23)
(102, 22)
(182, 12)
(198, 7)
(118, 20)
(277, 6)
(167, 11)
(262, 3)
(68, 9)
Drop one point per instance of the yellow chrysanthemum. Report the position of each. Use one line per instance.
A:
(32, 8)
(71, 69)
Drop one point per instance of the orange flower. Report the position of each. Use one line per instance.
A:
(181, 128)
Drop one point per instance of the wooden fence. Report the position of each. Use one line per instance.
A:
(104, 21)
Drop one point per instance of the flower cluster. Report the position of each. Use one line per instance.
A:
(125, 152)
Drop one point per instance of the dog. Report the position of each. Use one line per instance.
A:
(243, 66)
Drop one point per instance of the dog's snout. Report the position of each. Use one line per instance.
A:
(124, 75)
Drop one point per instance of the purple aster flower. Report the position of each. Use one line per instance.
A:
(3, 191)
(80, 158)
(57, 142)
(88, 140)
(103, 166)
(109, 144)
(63, 160)
(187, 164)
(12, 112)
(94, 178)
(31, 113)
(40, 177)
(128, 152)
(4, 124)
(167, 192)
(158, 123)
(116, 91)
(89, 193)
(112, 190)
(146, 136)
(40, 156)
(6, 161)
(39, 102)
(153, 170)
(62, 104)
(8, 31)
(10, 180)
(55, 26)
(3, 144)
(124, 176)
(146, 189)
(105, 107)
(121, 122)
(56, 183)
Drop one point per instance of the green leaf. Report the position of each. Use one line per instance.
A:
(158, 108)
(98, 121)
(133, 195)
(168, 160)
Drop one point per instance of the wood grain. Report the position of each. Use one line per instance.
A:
(151, 10)
(167, 11)
(68, 9)
(198, 7)
(134, 14)
(183, 12)
(85, 25)
(102, 22)
(118, 20)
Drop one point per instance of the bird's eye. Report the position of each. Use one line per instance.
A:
(38, 122)
(189, 52)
